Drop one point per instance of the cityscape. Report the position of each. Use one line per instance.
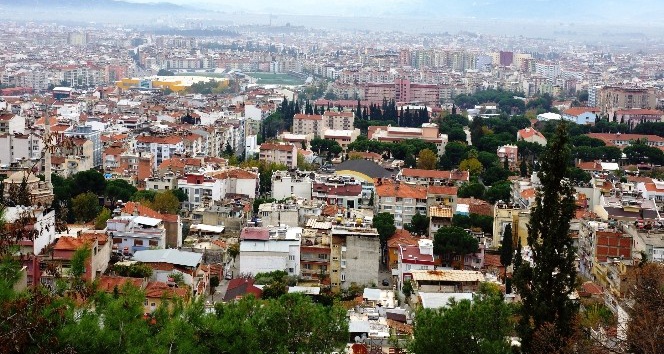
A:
(339, 177)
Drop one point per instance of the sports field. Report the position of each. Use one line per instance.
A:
(276, 79)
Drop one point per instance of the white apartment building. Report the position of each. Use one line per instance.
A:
(162, 147)
(269, 249)
(136, 233)
(285, 154)
(285, 185)
(11, 123)
(200, 189)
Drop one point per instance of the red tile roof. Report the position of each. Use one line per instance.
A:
(575, 111)
(444, 190)
(143, 210)
(529, 132)
(401, 190)
(307, 117)
(69, 243)
(151, 139)
(108, 283)
(401, 237)
(644, 112)
(451, 175)
(237, 173)
(255, 233)
(158, 290)
(282, 147)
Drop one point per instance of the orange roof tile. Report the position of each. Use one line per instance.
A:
(575, 111)
(143, 210)
(108, 283)
(401, 237)
(401, 190)
(158, 290)
(69, 243)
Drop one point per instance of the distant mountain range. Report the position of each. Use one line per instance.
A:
(92, 4)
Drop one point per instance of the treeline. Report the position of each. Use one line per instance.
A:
(38, 321)
(405, 150)
(85, 196)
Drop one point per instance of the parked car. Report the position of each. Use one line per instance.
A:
(229, 275)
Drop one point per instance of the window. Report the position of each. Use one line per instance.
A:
(322, 256)
(291, 257)
(154, 243)
(387, 207)
(138, 242)
(117, 240)
(291, 270)
(408, 200)
(388, 199)
(407, 266)
(306, 266)
(343, 276)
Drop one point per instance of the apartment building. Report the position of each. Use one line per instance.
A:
(162, 147)
(432, 177)
(14, 147)
(11, 123)
(355, 255)
(265, 249)
(401, 200)
(201, 190)
(509, 153)
(613, 98)
(286, 184)
(343, 191)
(308, 124)
(339, 120)
(428, 132)
(415, 257)
(285, 154)
(634, 117)
(94, 136)
(622, 140)
(135, 233)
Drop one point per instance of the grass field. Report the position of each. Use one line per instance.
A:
(276, 79)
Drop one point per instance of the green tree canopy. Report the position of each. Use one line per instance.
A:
(165, 202)
(119, 189)
(88, 181)
(453, 240)
(384, 223)
(427, 159)
(419, 225)
(85, 206)
(480, 327)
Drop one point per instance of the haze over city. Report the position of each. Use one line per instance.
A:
(300, 176)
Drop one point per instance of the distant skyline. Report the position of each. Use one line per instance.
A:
(609, 12)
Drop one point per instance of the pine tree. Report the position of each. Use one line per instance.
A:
(545, 284)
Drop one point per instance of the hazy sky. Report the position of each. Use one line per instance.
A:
(597, 11)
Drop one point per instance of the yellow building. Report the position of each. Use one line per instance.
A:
(173, 83)
(503, 215)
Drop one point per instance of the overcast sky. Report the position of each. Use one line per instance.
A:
(598, 11)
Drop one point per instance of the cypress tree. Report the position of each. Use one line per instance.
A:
(547, 312)
(506, 248)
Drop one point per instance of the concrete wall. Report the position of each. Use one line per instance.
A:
(362, 260)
